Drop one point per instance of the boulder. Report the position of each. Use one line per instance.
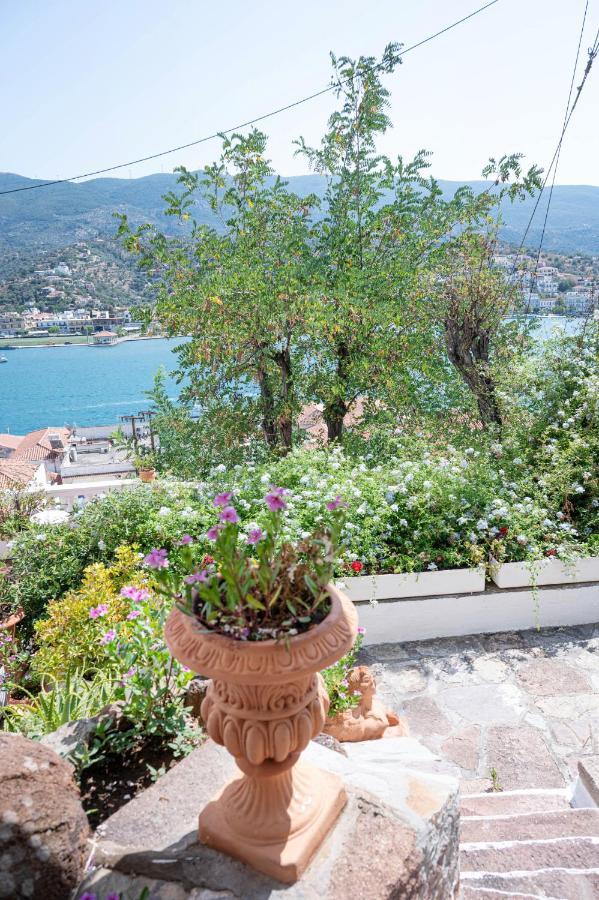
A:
(196, 691)
(75, 736)
(43, 827)
(327, 740)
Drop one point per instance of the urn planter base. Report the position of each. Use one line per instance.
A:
(274, 824)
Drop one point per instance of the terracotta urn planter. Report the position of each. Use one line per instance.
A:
(265, 703)
(147, 475)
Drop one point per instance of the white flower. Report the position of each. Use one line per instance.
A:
(101, 545)
(522, 539)
(40, 537)
(427, 485)
(220, 468)
(518, 461)
(431, 567)
(164, 511)
(266, 479)
(482, 524)
(403, 523)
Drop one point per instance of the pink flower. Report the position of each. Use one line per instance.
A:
(129, 672)
(229, 514)
(156, 559)
(108, 637)
(332, 505)
(195, 577)
(134, 614)
(97, 611)
(214, 532)
(254, 536)
(275, 499)
(185, 540)
(361, 630)
(223, 499)
(135, 594)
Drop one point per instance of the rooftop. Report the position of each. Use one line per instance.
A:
(41, 444)
(14, 473)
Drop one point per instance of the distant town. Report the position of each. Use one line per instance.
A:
(557, 285)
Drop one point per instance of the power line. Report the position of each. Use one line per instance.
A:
(559, 150)
(216, 134)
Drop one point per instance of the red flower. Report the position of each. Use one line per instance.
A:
(503, 530)
(552, 552)
(357, 566)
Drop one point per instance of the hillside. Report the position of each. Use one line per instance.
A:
(63, 214)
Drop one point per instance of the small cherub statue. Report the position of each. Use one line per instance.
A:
(370, 719)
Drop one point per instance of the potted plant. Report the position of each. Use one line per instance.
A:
(144, 463)
(261, 618)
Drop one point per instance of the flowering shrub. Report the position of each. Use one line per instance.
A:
(149, 683)
(71, 634)
(256, 586)
(335, 679)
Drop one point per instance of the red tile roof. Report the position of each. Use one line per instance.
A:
(14, 473)
(10, 441)
(36, 445)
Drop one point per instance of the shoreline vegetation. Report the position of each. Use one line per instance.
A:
(64, 340)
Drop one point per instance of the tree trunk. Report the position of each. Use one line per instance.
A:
(468, 351)
(336, 409)
(285, 418)
(267, 403)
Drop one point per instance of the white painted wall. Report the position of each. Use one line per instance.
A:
(492, 611)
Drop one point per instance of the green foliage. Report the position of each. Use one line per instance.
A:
(260, 588)
(69, 634)
(17, 505)
(78, 695)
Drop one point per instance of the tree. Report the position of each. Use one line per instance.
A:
(240, 292)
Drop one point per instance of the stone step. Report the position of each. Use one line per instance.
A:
(525, 856)
(554, 884)
(531, 826)
(507, 802)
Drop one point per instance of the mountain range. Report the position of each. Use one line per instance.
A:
(63, 214)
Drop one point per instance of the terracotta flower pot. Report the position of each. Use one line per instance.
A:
(147, 475)
(266, 701)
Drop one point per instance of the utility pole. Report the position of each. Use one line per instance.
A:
(148, 414)
(133, 420)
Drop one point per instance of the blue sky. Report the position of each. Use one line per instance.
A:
(85, 84)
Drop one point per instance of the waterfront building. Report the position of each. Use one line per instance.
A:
(104, 338)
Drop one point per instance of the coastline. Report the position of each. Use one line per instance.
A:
(75, 340)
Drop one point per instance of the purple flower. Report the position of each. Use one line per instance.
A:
(335, 504)
(128, 674)
(108, 637)
(135, 594)
(185, 540)
(156, 559)
(274, 499)
(254, 536)
(214, 532)
(113, 896)
(196, 576)
(134, 614)
(229, 514)
(361, 630)
(97, 611)
(223, 499)
(88, 896)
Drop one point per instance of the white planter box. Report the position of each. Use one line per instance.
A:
(415, 584)
(547, 571)
(493, 611)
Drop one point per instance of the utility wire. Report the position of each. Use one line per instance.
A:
(592, 54)
(210, 137)
(559, 150)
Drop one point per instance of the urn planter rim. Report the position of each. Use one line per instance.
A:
(260, 662)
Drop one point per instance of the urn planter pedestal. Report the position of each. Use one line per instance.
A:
(265, 703)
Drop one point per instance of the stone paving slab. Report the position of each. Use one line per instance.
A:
(397, 836)
(525, 704)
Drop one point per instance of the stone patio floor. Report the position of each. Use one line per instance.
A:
(523, 703)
